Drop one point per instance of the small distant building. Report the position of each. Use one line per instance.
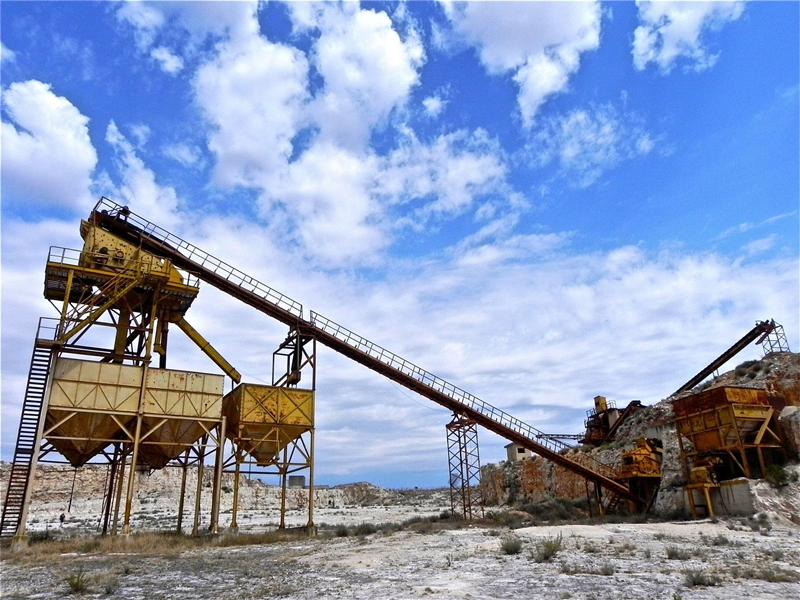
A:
(516, 452)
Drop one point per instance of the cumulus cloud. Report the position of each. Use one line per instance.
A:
(669, 31)
(137, 186)
(6, 54)
(167, 60)
(434, 105)
(252, 130)
(442, 178)
(48, 157)
(188, 156)
(539, 42)
(587, 142)
(148, 21)
(368, 70)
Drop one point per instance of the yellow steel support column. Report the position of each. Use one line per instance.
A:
(214, 525)
(234, 526)
(184, 469)
(121, 337)
(199, 490)
(310, 524)
(282, 524)
(118, 499)
(709, 507)
(126, 519)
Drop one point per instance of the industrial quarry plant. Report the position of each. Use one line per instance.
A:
(99, 393)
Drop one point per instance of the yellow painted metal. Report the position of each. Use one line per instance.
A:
(104, 250)
(206, 347)
(600, 404)
(179, 408)
(263, 419)
(94, 403)
(643, 461)
(89, 401)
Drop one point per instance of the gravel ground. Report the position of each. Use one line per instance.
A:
(594, 562)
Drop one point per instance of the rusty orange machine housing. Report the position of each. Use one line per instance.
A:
(731, 431)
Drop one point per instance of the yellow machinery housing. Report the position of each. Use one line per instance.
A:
(725, 433)
(265, 419)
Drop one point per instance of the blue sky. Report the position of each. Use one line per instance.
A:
(540, 202)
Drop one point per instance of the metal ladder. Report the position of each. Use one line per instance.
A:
(26, 440)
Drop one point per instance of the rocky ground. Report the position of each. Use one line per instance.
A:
(440, 559)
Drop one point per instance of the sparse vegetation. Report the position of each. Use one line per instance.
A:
(365, 529)
(675, 553)
(607, 569)
(511, 544)
(77, 582)
(546, 549)
(699, 578)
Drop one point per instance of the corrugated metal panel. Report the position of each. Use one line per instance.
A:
(264, 419)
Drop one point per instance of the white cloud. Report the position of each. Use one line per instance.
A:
(434, 106)
(253, 94)
(747, 225)
(48, 157)
(444, 177)
(367, 68)
(670, 30)
(138, 187)
(6, 54)
(587, 142)
(141, 134)
(759, 246)
(167, 60)
(540, 42)
(188, 156)
(232, 21)
(326, 193)
(145, 19)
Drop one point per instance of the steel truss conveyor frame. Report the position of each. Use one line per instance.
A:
(120, 221)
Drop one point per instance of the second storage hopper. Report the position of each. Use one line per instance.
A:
(264, 419)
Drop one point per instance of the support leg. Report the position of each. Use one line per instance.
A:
(198, 492)
(235, 508)
(182, 499)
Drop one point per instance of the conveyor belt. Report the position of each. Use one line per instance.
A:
(120, 221)
(756, 334)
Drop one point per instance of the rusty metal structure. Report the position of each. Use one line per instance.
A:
(768, 334)
(604, 419)
(725, 433)
(464, 468)
(272, 427)
(92, 393)
(641, 469)
(143, 278)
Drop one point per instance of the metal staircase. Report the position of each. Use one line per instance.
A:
(120, 221)
(27, 439)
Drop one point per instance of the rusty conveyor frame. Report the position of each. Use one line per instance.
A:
(120, 221)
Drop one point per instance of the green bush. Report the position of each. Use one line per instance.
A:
(546, 549)
(341, 531)
(607, 569)
(77, 582)
(675, 553)
(776, 475)
(366, 529)
(699, 578)
(511, 545)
